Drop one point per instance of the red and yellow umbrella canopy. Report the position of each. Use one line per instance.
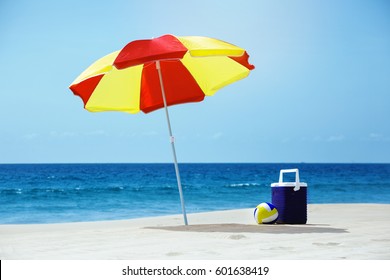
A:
(192, 67)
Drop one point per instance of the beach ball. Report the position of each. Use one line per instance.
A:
(265, 213)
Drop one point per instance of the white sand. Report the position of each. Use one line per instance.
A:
(334, 231)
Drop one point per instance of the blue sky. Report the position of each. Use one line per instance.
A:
(320, 91)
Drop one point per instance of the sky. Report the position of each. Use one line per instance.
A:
(320, 91)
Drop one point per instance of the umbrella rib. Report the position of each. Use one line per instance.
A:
(172, 139)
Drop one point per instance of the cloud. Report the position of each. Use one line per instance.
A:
(378, 137)
(62, 134)
(373, 135)
(99, 132)
(217, 135)
(30, 136)
(318, 138)
(335, 138)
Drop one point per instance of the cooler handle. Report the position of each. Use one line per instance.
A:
(282, 171)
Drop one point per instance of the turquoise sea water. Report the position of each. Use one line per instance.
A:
(51, 193)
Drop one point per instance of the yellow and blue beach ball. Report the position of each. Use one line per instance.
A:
(265, 213)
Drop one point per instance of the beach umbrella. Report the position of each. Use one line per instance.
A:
(150, 74)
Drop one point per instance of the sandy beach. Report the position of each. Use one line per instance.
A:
(333, 232)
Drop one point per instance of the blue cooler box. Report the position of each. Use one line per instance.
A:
(290, 199)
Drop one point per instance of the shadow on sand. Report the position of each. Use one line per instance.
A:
(241, 228)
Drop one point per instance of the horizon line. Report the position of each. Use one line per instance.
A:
(216, 162)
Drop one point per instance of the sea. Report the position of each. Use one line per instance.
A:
(59, 193)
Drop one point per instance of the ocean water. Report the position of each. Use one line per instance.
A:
(55, 193)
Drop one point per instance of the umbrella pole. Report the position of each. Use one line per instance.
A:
(172, 139)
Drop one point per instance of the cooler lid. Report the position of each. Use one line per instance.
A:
(288, 184)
